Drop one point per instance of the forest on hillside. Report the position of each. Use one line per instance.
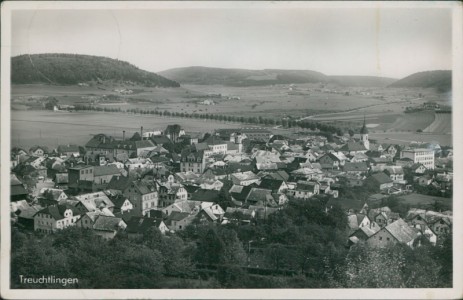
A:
(300, 246)
(70, 69)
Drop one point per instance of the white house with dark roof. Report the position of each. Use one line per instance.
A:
(55, 217)
(306, 189)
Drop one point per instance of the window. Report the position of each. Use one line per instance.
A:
(380, 238)
(82, 172)
(388, 239)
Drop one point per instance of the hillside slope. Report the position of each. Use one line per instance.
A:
(362, 81)
(67, 69)
(440, 79)
(242, 77)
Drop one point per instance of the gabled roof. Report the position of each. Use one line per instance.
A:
(160, 139)
(381, 178)
(141, 224)
(106, 170)
(119, 183)
(271, 184)
(214, 140)
(117, 199)
(353, 146)
(106, 223)
(355, 167)
(144, 187)
(258, 195)
(95, 201)
(177, 216)
(68, 148)
(279, 175)
(306, 186)
(205, 195)
(35, 148)
(402, 231)
(57, 211)
(17, 190)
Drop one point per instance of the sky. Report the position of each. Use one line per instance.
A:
(389, 42)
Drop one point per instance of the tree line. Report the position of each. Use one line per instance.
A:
(300, 246)
(325, 129)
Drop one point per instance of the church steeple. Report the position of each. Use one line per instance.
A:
(364, 129)
(364, 134)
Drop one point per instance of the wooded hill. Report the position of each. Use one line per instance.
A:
(440, 79)
(244, 77)
(68, 69)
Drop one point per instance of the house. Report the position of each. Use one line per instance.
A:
(143, 195)
(102, 225)
(439, 223)
(380, 181)
(396, 173)
(425, 180)
(238, 215)
(50, 196)
(17, 189)
(187, 206)
(68, 150)
(275, 185)
(138, 163)
(355, 221)
(170, 192)
(212, 185)
(359, 157)
(204, 195)
(217, 145)
(306, 189)
(61, 181)
(91, 178)
(24, 213)
(193, 161)
(396, 232)
(55, 217)
(97, 201)
(137, 226)
(362, 234)
(352, 148)
(38, 151)
(122, 205)
(244, 178)
(179, 220)
(329, 161)
(382, 216)
(355, 168)
(418, 169)
(260, 197)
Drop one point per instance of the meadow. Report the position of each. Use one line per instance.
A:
(51, 129)
(341, 106)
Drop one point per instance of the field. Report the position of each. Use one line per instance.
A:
(442, 124)
(343, 107)
(53, 128)
(418, 200)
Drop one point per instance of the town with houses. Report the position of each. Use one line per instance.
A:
(170, 179)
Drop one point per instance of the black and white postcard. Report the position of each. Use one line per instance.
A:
(231, 150)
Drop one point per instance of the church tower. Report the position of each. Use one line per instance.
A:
(364, 135)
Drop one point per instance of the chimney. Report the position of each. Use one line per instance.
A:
(123, 135)
(104, 139)
(141, 132)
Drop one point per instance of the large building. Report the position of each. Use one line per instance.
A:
(420, 155)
